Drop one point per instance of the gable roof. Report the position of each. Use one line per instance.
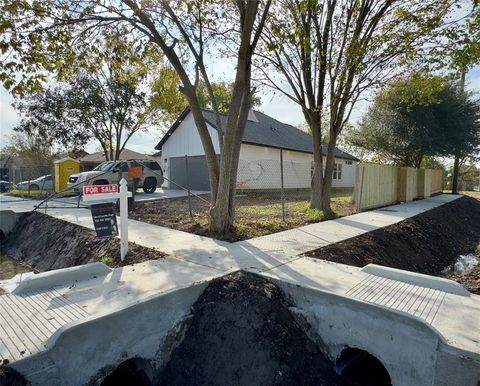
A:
(99, 156)
(266, 132)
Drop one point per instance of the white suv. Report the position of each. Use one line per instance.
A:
(111, 172)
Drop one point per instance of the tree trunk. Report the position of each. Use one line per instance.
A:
(456, 171)
(327, 180)
(210, 154)
(317, 172)
(222, 213)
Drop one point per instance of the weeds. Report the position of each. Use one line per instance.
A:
(107, 260)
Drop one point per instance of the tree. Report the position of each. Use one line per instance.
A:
(32, 152)
(33, 149)
(109, 110)
(168, 98)
(104, 97)
(463, 55)
(330, 52)
(420, 117)
(182, 30)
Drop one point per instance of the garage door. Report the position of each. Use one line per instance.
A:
(197, 173)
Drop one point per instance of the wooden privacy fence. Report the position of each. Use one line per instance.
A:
(380, 185)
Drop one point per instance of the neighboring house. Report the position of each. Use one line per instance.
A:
(259, 164)
(91, 161)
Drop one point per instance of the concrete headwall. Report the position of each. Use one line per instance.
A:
(93, 348)
(8, 219)
(406, 346)
(454, 367)
(411, 350)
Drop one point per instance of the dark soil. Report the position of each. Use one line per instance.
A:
(45, 243)
(10, 377)
(426, 243)
(242, 333)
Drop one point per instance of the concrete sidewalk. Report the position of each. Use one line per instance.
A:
(31, 322)
(310, 237)
(260, 253)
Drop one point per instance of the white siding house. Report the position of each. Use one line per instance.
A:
(259, 166)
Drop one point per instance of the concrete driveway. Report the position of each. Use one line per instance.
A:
(161, 194)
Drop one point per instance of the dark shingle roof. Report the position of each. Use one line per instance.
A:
(266, 132)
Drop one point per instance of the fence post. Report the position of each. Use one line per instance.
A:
(282, 185)
(188, 187)
(358, 189)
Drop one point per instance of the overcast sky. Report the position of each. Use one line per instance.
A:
(279, 107)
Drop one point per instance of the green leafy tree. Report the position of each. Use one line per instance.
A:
(167, 97)
(34, 32)
(406, 123)
(108, 110)
(35, 151)
(463, 53)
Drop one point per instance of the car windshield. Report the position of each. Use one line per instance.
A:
(105, 167)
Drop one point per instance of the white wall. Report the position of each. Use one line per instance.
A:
(185, 140)
(259, 168)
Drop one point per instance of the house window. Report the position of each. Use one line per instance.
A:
(349, 162)
(337, 171)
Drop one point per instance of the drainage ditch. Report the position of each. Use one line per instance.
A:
(61, 244)
(241, 332)
(427, 243)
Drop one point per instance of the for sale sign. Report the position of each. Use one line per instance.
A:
(104, 220)
(99, 189)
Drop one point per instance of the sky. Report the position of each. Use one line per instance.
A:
(275, 105)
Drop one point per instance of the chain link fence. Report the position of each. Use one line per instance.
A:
(27, 180)
(271, 195)
(279, 190)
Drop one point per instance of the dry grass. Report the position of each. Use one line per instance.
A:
(475, 195)
(28, 194)
(256, 214)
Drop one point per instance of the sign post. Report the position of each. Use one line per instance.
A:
(105, 226)
(123, 218)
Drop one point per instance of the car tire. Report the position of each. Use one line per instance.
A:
(150, 185)
(100, 182)
(34, 187)
(3, 189)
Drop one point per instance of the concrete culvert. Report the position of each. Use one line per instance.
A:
(361, 368)
(243, 333)
(132, 372)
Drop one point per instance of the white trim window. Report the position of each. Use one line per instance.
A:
(337, 171)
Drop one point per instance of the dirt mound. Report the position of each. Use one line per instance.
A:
(426, 243)
(242, 333)
(47, 243)
(11, 377)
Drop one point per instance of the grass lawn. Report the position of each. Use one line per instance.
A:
(27, 194)
(256, 214)
(471, 194)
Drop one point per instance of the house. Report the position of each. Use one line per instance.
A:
(90, 161)
(265, 139)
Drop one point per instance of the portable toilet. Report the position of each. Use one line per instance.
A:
(64, 168)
